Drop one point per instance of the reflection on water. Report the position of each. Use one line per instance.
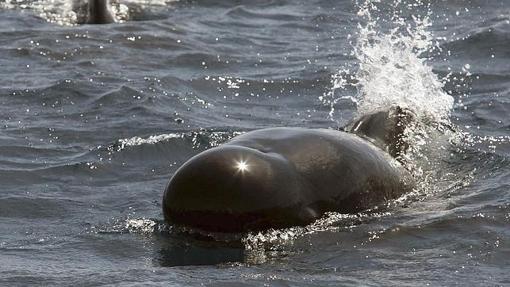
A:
(185, 252)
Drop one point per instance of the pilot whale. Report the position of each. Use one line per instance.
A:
(99, 12)
(283, 177)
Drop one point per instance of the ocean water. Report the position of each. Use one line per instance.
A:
(94, 120)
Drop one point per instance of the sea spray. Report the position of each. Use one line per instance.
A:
(391, 69)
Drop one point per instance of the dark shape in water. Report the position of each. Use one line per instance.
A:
(99, 12)
(282, 177)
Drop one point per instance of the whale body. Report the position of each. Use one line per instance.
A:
(282, 177)
(99, 12)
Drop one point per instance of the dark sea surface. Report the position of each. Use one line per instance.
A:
(95, 119)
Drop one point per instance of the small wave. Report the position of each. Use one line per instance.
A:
(495, 35)
(38, 207)
(482, 45)
(135, 141)
(130, 225)
(482, 146)
(198, 139)
(64, 165)
(268, 13)
(147, 226)
(142, 148)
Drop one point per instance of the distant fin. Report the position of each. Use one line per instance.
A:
(384, 128)
(99, 12)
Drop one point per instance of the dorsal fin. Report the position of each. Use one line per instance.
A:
(384, 128)
(99, 12)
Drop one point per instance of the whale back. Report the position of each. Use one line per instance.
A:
(385, 129)
(99, 12)
(281, 177)
(344, 172)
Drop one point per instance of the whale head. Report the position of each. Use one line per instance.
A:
(235, 189)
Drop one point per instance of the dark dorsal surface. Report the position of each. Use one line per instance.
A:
(99, 12)
(281, 177)
(384, 128)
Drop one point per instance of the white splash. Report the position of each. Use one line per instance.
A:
(136, 141)
(209, 138)
(392, 69)
(140, 225)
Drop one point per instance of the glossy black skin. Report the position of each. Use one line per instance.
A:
(293, 176)
(384, 129)
(99, 12)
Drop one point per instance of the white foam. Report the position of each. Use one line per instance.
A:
(198, 139)
(136, 141)
(140, 225)
(392, 69)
